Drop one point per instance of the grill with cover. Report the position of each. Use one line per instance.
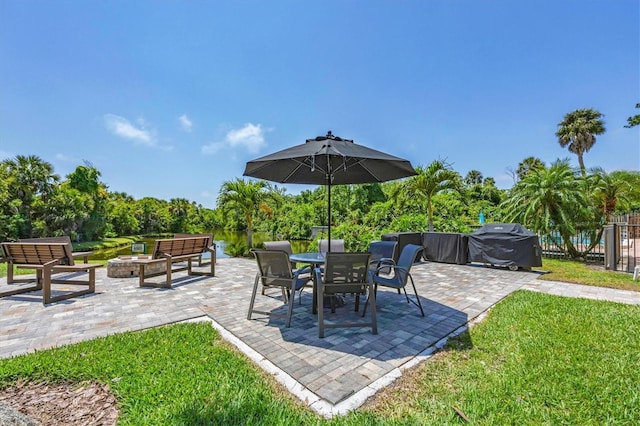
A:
(508, 244)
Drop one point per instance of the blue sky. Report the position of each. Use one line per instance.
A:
(169, 99)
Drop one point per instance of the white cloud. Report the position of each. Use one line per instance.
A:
(212, 147)
(122, 127)
(185, 122)
(250, 137)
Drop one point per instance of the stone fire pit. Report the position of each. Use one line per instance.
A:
(124, 266)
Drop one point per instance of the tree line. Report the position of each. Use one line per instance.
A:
(554, 199)
(36, 202)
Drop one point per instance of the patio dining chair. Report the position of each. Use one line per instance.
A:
(336, 245)
(286, 246)
(274, 270)
(400, 276)
(345, 273)
(382, 252)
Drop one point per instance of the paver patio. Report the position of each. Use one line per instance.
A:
(452, 296)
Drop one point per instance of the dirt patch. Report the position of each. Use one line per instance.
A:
(70, 404)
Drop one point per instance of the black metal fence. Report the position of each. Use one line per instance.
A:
(618, 249)
(622, 242)
(553, 246)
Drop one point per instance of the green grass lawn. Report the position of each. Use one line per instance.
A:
(181, 374)
(536, 359)
(581, 273)
(106, 243)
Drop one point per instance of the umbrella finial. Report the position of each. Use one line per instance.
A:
(329, 135)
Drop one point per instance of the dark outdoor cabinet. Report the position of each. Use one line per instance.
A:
(445, 247)
(505, 244)
(404, 238)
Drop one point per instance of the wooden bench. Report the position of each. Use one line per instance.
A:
(175, 250)
(211, 247)
(63, 239)
(47, 259)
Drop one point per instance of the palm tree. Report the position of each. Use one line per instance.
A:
(179, 209)
(246, 198)
(527, 165)
(609, 189)
(31, 181)
(547, 201)
(437, 177)
(578, 131)
(634, 120)
(474, 177)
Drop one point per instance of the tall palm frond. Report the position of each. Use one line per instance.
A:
(578, 132)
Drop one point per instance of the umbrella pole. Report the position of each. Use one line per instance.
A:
(329, 214)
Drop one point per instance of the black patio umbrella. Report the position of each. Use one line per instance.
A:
(329, 160)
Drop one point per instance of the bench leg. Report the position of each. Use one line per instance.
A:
(169, 263)
(141, 275)
(48, 280)
(92, 280)
(166, 284)
(212, 270)
(10, 273)
(46, 285)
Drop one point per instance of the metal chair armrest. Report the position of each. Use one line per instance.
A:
(392, 267)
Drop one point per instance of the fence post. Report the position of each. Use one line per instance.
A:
(616, 245)
(609, 247)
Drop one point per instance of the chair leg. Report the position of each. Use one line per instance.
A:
(366, 302)
(320, 298)
(253, 296)
(417, 297)
(374, 321)
(292, 296)
(405, 294)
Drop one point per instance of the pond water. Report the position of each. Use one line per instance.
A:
(221, 238)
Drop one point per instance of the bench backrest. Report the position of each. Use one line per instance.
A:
(62, 239)
(180, 246)
(209, 236)
(26, 253)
